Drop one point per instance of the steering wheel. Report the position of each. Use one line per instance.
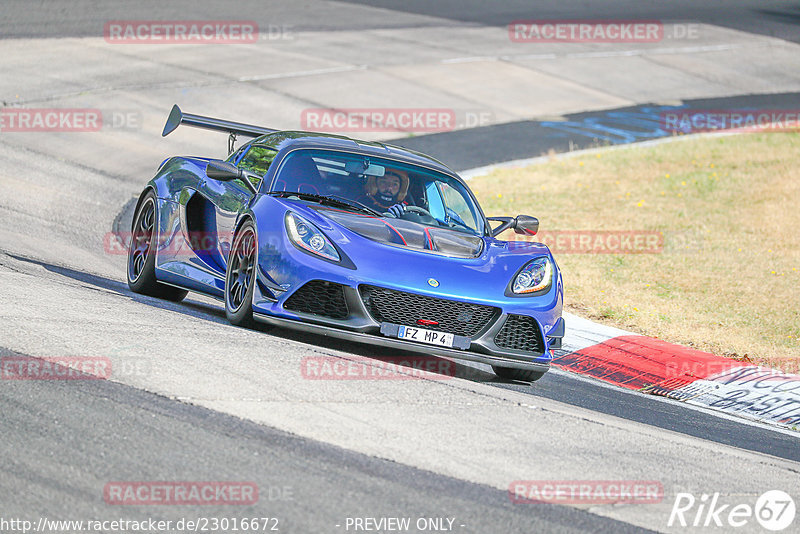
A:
(417, 209)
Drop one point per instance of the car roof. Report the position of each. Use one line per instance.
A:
(291, 140)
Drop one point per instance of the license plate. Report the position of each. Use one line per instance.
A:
(424, 335)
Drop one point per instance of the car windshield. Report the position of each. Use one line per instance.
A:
(424, 195)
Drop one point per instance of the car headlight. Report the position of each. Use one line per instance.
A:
(308, 237)
(536, 276)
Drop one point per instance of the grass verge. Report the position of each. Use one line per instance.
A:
(727, 279)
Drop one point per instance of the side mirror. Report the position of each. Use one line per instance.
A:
(222, 170)
(522, 224)
(526, 225)
(225, 172)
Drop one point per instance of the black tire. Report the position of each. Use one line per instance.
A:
(142, 254)
(523, 375)
(240, 277)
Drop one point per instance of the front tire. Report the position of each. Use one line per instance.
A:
(523, 375)
(240, 277)
(142, 254)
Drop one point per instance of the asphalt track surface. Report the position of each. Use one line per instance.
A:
(497, 143)
(78, 435)
(84, 17)
(779, 19)
(64, 440)
(563, 387)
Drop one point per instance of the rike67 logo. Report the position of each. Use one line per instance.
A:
(774, 510)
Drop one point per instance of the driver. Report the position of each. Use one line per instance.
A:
(387, 192)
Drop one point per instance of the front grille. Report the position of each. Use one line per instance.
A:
(399, 307)
(520, 332)
(319, 298)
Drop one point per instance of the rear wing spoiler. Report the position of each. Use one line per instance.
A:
(178, 117)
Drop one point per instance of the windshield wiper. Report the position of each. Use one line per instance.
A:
(356, 204)
(332, 200)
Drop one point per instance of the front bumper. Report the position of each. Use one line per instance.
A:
(495, 360)
(360, 325)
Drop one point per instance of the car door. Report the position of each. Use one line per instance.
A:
(230, 198)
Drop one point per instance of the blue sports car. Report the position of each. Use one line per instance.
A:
(359, 240)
